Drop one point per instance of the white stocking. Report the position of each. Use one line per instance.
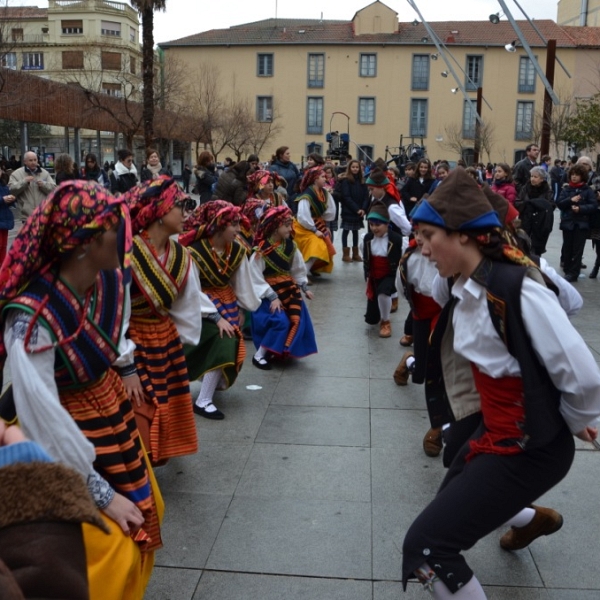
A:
(521, 519)
(309, 264)
(260, 353)
(385, 306)
(209, 385)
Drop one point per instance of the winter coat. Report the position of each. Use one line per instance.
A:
(530, 192)
(587, 206)
(7, 218)
(147, 173)
(30, 194)
(230, 188)
(205, 179)
(354, 197)
(98, 175)
(289, 171)
(414, 188)
(536, 211)
(505, 189)
(64, 176)
(122, 179)
(521, 172)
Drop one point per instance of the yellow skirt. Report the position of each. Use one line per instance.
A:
(116, 567)
(315, 247)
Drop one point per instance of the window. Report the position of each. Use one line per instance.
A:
(524, 125)
(526, 76)
(314, 115)
(418, 117)
(264, 109)
(110, 61)
(469, 121)
(368, 65)
(16, 35)
(72, 59)
(132, 34)
(314, 148)
(9, 60)
(112, 89)
(366, 110)
(366, 152)
(420, 72)
(71, 27)
(264, 66)
(474, 77)
(132, 64)
(110, 28)
(316, 70)
(33, 61)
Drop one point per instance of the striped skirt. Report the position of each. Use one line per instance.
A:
(162, 369)
(216, 352)
(105, 416)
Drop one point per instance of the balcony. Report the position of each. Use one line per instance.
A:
(98, 6)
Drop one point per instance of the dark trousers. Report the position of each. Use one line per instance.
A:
(477, 497)
(572, 252)
(421, 329)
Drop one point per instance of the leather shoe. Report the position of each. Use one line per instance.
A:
(406, 340)
(432, 442)
(394, 305)
(261, 364)
(215, 415)
(385, 329)
(545, 522)
(402, 372)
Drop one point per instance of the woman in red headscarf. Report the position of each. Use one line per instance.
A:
(315, 208)
(211, 233)
(263, 186)
(165, 294)
(282, 325)
(62, 298)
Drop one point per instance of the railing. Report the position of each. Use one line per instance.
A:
(94, 4)
(28, 39)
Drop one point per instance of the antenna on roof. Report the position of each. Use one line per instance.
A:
(321, 17)
(276, 10)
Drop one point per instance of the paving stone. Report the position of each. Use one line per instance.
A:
(172, 584)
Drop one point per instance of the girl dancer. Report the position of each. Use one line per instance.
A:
(355, 203)
(513, 350)
(225, 278)
(315, 208)
(165, 294)
(263, 185)
(62, 299)
(282, 324)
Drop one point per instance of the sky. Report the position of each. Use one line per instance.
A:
(186, 17)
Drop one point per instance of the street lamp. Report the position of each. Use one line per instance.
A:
(511, 47)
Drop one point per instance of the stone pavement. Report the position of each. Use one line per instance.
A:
(305, 490)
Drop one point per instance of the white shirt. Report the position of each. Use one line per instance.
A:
(398, 218)
(556, 343)
(304, 215)
(421, 273)
(257, 267)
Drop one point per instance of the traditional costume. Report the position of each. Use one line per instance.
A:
(502, 346)
(280, 266)
(259, 180)
(315, 208)
(381, 256)
(226, 280)
(61, 349)
(165, 294)
(252, 211)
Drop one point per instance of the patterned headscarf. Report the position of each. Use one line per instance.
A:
(310, 175)
(272, 219)
(152, 201)
(73, 214)
(259, 179)
(253, 210)
(207, 219)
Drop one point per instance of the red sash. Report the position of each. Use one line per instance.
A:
(379, 267)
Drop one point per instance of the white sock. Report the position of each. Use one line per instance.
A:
(385, 306)
(523, 518)
(410, 361)
(207, 391)
(260, 353)
(309, 264)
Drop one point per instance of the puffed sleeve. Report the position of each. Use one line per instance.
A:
(304, 217)
(247, 294)
(298, 269)
(564, 353)
(568, 297)
(263, 289)
(398, 218)
(41, 415)
(329, 214)
(126, 346)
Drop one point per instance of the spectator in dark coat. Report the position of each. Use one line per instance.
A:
(354, 198)
(65, 169)
(577, 203)
(153, 168)
(92, 171)
(233, 184)
(522, 168)
(206, 176)
(556, 175)
(186, 176)
(284, 167)
(7, 219)
(417, 186)
(124, 175)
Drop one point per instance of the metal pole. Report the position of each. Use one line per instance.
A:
(526, 47)
(477, 144)
(547, 111)
(437, 43)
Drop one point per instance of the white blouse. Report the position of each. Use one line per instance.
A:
(556, 343)
(304, 215)
(257, 267)
(421, 273)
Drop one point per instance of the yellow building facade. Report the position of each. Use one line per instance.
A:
(391, 80)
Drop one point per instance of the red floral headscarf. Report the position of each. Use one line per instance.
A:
(207, 219)
(72, 215)
(253, 210)
(152, 201)
(259, 179)
(310, 175)
(272, 219)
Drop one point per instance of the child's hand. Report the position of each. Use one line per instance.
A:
(309, 295)
(276, 306)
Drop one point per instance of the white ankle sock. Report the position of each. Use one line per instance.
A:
(410, 361)
(209, 385)
(260, 353)
(523, 518)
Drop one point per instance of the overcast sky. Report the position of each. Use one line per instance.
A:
(186, 17)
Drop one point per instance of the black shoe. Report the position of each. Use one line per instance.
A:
(215, 415)
(315, 274)
(583, 266)
(261, 364)
(571, 278)
(594, 272)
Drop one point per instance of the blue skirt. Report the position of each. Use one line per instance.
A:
(271, 330)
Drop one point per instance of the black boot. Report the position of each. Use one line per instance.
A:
(594, 272)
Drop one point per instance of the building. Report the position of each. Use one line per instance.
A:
(579, 12)
(384, 80)
(91, 43)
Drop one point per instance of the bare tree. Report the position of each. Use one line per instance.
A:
(453, 139)
(487, 138)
